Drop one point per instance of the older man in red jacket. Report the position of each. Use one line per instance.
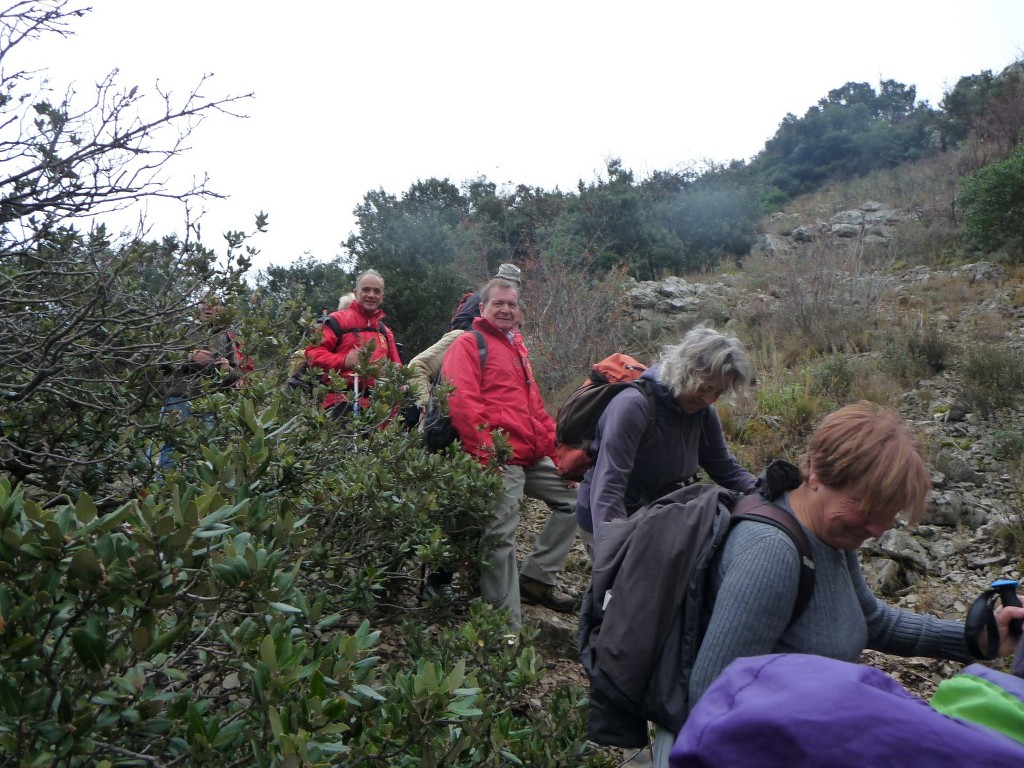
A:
(505, 396)
(347, 331)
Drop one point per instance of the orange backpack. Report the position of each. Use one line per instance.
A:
(576, 423)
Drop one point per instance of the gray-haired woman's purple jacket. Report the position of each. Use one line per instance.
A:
(631, 470)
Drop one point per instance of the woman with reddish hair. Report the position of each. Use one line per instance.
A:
(863, 469)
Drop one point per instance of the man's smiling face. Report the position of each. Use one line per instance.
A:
(502, 308)
(370, 293)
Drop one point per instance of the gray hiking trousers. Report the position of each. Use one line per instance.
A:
(499, 584)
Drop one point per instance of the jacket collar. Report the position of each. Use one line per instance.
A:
(377, 316)
(486, 326)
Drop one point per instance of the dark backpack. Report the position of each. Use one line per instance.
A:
(438, 432)
(466, 312)
(576, 423)
(302, 376)
(638, 647)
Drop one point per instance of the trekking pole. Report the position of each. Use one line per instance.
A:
(982, 616)
(355, 393)
(640, 758)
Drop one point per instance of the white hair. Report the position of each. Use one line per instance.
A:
(704, 354)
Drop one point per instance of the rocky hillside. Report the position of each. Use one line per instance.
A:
(973, 530)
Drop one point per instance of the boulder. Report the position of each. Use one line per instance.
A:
(845, 230)
(900, 547)
(678, 306)
(644, 296)
(673, 287)
(848, 217)
(557, 632)
(803, 235)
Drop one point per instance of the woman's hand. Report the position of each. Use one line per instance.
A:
(1007, 641)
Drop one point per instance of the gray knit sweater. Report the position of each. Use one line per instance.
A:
(755, 579)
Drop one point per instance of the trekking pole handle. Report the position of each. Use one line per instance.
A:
(981, 616)
(1007, 589)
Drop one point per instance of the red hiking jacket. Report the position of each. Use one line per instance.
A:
(504, 396)
(330, 353)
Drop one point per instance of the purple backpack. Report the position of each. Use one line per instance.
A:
(798, 710)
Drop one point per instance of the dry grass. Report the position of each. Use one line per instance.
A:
(831, 299)
(843, 333)
(949, 294)
(827, 325)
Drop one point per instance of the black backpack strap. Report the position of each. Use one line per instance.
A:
(755, 508)
(481, 346)
(332, 323)
(652, 406)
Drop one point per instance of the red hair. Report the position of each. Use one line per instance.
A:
(869, 451)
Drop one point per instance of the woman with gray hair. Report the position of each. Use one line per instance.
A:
(639, 459)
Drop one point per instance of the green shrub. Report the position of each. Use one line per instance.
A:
(930, 347)
(992, 377)
(992, 202)
(794, 405)
(833, 376)
(225, 617)
(1008, 446)
(897, 363)
(777, 424)
(916, 353)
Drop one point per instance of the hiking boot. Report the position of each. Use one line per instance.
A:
(442, 593)
(533, 592)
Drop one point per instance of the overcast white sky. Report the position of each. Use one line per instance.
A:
(355, 96)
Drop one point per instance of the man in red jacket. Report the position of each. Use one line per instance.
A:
(505, 396)
(352, 329)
